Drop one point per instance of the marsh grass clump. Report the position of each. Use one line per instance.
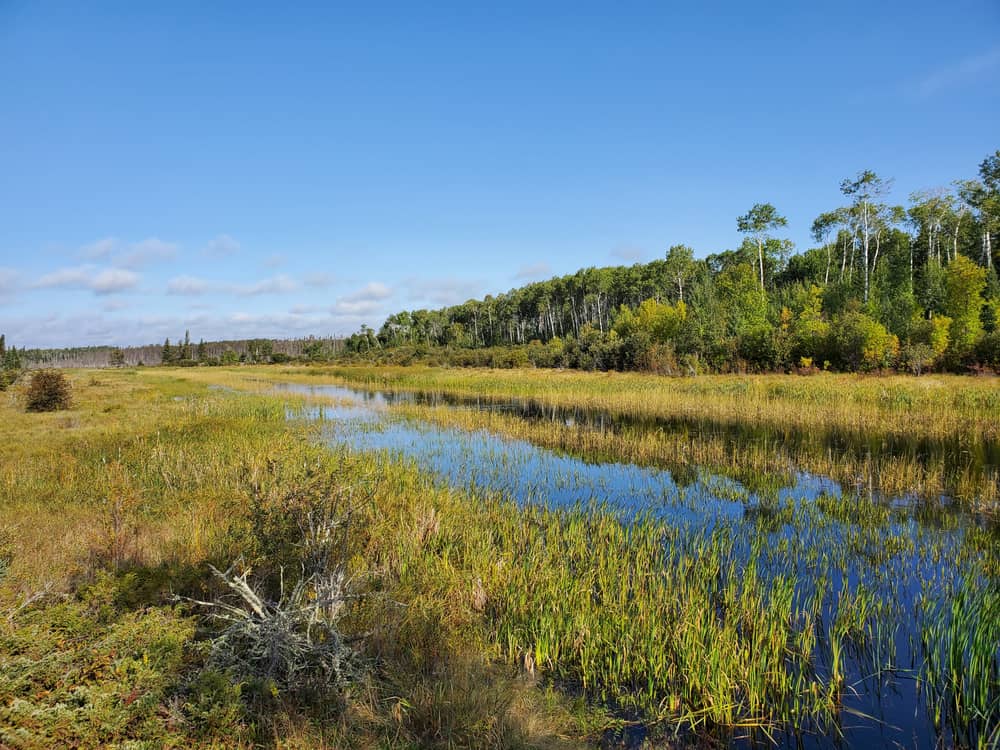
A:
(49, 390)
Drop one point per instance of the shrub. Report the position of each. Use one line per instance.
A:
(49, 390)
(861, 343)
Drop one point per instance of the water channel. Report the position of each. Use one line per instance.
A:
(905, 556)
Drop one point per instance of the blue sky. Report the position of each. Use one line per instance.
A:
(243, 169)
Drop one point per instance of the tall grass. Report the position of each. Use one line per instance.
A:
(928, 436)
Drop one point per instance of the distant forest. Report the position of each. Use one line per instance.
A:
(887, 286)
(183, 352)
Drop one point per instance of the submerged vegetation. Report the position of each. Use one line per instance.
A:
(410, 612)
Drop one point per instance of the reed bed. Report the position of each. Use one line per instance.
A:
(752, 463)
(924, 437)
(939, 406)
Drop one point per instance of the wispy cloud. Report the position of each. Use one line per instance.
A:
(111, 328)
(8, 283)
(305, 309)
(188, 286)
(318, 279)
(113, 280)
(629, 253)
(98, 249)
(114, 305)
(222, 246)
(134, 256)
(99, 281)
(275, 260)
(534, 271)
(443, 291)
(192, 286)
(365, 301)
(279, 284)
(146, 252)
(375, 290)
(960, 73)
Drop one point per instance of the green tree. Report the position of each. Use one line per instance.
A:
(809, 330)
(679, 267)
(758, 223)
(964, 283)
(167, 352)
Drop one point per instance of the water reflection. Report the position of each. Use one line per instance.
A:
(800, 524)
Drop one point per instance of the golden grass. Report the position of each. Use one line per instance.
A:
(946, 429)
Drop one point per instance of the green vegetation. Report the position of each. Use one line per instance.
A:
(116, 507)
(439, 617)
(887, 288)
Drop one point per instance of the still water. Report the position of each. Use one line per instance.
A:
(905, 554)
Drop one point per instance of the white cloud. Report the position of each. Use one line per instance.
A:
(99, 249)
(374, 290)
(355, 307)
(8, 283)
(305, 309)
(141, 254)
(90, 328)
(442, 292)
(113, 280)
(318, 279)
(222, 246)
(629, 253)
(194, 285)
(365, 301)
(279, 284)
(187, 286)
(275, 260)
(99, 281)
(78, 276)
(958, 73)
(533, 271)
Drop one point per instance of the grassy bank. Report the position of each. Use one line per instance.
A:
(112, 509)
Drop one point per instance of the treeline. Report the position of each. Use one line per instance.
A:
(185, 352)
(887, 286)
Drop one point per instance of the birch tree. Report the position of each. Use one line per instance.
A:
(867, 213)
(758, 223)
